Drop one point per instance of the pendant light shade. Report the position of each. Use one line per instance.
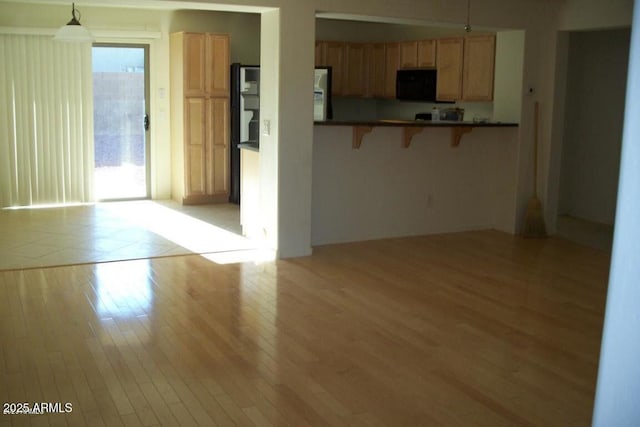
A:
(73, 32)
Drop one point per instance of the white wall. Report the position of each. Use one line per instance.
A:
(592, 140)
(595, 14)
(269, 99)
(377, 32)
(618, 387)
(383, 190)
(295, 127)
(243, 30)
(508, 89)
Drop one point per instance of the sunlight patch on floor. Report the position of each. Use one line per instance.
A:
(257, 256)
(118, 231)
(193, 234)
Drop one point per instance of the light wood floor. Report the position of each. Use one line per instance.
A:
(477, 328)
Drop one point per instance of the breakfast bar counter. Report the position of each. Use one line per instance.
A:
(410, 128)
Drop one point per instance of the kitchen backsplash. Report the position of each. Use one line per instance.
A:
(377, 109)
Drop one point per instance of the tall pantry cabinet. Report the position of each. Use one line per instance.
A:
(199, 117)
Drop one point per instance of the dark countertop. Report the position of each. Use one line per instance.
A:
(411, 123)
(249, 146)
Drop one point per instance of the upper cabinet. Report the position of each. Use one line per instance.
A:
(321, 49)
(408, 54)
(449, 63)
(332, 54)
(194, 46)
(204, 71)
(465, 66)
(392, 64)
(355, 70)
(478, 68)
(427, 53)
(217, 63)
(418, 54)
(376, 58)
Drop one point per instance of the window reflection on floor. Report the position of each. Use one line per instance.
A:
(124, 289)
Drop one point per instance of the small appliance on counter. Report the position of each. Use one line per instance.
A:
(447, 114)
(452, 114)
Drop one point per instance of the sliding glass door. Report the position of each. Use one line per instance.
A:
(121, 121)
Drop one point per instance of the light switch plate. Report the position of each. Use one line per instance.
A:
(266, 127)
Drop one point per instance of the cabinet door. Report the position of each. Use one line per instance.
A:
(355, 70)
(478, 74)
(334, 58)
(321, 54)
(217, 63)
(195, 146)
(194, 64)
(392, 63)
(217, 150)
(376, 63)
(408, 54)
(427, 53)
(449, 64)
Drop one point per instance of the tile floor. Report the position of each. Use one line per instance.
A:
(116, 231)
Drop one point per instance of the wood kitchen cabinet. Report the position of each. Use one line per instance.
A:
(465, 66)
(478, 68)
(392, 64)
(376, 66)
(449, 59)
(418, 54)
(355, 70)
(321, 53)
(199, 117)
(408, 54)
(427, 54)
(332, 54)
(204, 70)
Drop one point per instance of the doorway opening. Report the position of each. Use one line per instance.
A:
(596, 77)
(121, 121)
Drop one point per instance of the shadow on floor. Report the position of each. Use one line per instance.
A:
(588, 233)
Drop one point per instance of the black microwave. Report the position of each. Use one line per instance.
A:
(416, 85)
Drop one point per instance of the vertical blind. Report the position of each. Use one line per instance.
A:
(46, 121)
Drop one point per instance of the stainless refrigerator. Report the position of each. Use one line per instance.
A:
(322, 109)
(245, 119)
(245, 113)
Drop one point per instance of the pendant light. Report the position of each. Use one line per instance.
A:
(74, 32)
(467, 26)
